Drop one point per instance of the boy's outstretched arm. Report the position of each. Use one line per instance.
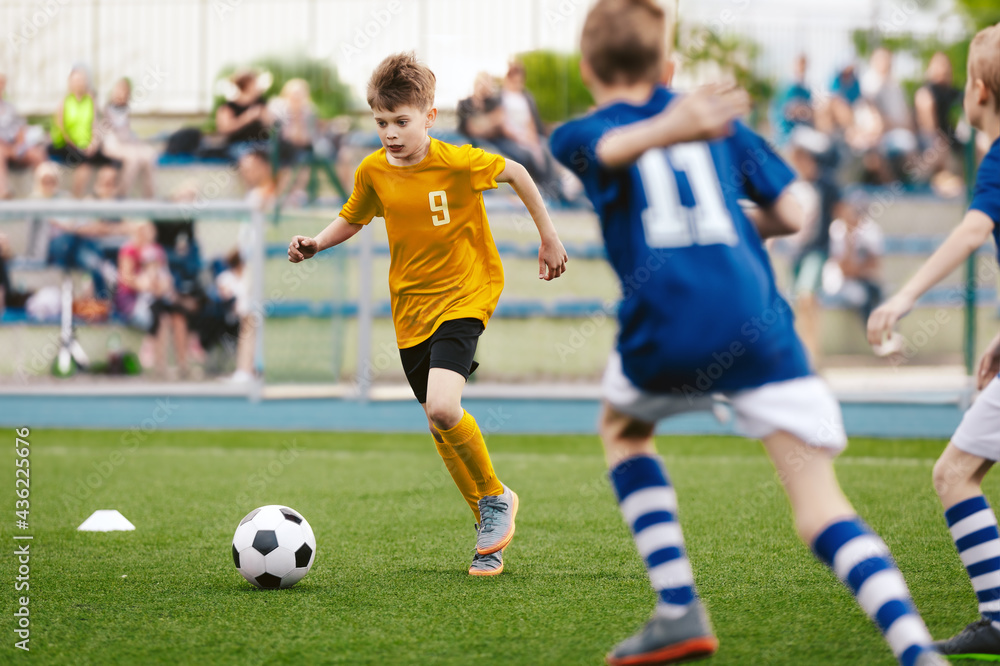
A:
(963, 241)
(551, 254)
(702, 115)
(338, 231)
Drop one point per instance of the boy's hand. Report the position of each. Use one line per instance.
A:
(301, 248)
(989, 364)
(552, 259)
(884, 318)
(708, 112)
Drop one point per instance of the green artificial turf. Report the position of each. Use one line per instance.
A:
(389, 584)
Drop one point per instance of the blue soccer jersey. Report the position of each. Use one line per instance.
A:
(700, 310)
(986, 197)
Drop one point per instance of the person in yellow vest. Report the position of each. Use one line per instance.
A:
(75, 140)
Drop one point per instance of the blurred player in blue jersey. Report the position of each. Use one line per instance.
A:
(700, 315)
(975, 446)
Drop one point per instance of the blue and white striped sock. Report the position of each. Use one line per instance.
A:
(862, 561)
(649, 505)
(973, 526)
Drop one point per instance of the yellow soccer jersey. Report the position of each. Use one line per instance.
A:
(444, 263)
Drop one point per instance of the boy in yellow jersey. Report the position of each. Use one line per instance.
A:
(445, 275)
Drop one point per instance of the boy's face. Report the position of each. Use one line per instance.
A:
(403, 131)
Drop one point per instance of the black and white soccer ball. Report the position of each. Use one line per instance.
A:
(274, 547)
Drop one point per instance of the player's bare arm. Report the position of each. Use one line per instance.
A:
(963, 241)
(781, 218)
(338, 231)
(703, 115)
(552, 256)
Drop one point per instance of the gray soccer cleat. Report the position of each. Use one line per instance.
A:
(980, 640)
(485, 565)
(668, 641)
(496, 521)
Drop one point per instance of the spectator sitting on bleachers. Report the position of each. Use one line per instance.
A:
(255, 168)
(891, 122)
(295, 118)
(145, 298)
(75, 139)
(114, 233)
(811, 244)
(243, 121)
(480, 117)
(852, 274)
(521, 120)
(72, 243)
(178, 239)
(836, 115)
(120, 143)
(261, 190)
(934, 103)
(20, 145)
(233, 286)
(794, 106)
(483, 118)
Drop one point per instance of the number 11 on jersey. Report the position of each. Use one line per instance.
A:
(439, 204)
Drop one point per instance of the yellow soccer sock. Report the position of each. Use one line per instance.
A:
(467, 441)
(460, 475)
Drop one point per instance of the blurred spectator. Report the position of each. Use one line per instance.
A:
(506, 122)
(846, 85)
(75, 140)
(294, 114)
(10, 297)
(72, 243)
(233, 285)
(890, 126)
(936, 99)
(114, 233)
(809, 149)
(837, 115)
(244, 119)
(20, 147)
(852, 275)
(256, 171)
(295, 119)
(521, 121)
(255, 168)
(146, 298)
(481, 115)
(934, 103)
(793, 106)
(120, 143)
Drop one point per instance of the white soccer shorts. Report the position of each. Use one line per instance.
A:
(979, 431)
(804, 407)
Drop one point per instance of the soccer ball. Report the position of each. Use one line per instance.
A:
(274, 547)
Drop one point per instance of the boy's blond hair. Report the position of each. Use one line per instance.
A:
(984, 60)
(401, 80)
(624, 41)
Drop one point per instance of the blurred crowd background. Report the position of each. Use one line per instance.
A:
(867, 108)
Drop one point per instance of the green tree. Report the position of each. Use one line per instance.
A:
(554, 81)
(731, 55)
(982, 13)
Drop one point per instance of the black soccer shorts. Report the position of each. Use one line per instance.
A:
(452, 346)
